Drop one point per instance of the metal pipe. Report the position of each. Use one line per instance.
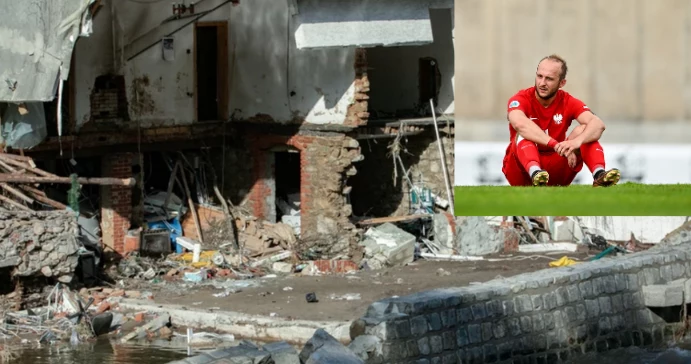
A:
(443, 159)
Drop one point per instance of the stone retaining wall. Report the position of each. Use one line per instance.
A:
(39, 243)
(542, 317)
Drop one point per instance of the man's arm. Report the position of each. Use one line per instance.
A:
(594, 127)
(528, 129)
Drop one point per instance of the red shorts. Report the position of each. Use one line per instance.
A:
(560, 174)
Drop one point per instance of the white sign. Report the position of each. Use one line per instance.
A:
(480, 163)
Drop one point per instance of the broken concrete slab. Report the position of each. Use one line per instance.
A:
(679, 235)
(366, 346)
(245, 353)
(547, 247)
(252, 327)
(476, 237)
(567, 230)
(323, 348)
(665, 295)
(444, 233)
(388, 245)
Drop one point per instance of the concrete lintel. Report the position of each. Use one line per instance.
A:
(243, 325)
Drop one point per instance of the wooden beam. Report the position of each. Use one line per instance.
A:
(191, 206)
(383, 220)
(41, 197)
(16, 192)
(37, 171)
(17, 157)
(14, 203)
(16, 178)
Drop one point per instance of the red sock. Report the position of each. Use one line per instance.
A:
(527, 154)
(593, 156)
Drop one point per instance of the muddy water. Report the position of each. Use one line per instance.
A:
(100, 352)
(106, 352)
(634, 355)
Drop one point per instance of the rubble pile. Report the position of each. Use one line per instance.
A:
(42, 243)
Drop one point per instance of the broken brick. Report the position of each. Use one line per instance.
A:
(103, 307)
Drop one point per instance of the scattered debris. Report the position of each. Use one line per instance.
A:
(346, 297)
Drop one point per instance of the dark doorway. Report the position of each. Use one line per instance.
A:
(287, 174)
(430, 81)
(211, 59)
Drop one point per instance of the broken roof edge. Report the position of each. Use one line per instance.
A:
(28, 84)
(365, 45)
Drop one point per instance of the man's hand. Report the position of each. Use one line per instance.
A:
(572, 160)
(567, 147)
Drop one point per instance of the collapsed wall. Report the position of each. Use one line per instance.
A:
(378, 190)
(42, 243)
(545, 316)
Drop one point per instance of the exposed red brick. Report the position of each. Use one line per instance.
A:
(117, 211)
(357, 114)
(335, 266)
(511, 237)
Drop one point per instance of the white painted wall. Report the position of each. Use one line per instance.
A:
(647, 229)
(264, 65)
(393, 71)
(94, 57)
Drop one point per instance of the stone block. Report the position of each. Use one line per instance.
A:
(605, 303)
(284, 353)
(434, 322)
(462, 338)
(323, 348)
(418, 325)
(448, 318)
(436, 344)
(592, 308)
(523, 304)
(475, 334)
(664, 295)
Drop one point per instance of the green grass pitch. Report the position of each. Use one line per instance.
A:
(626, 199)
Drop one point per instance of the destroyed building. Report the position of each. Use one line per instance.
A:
(312, 113)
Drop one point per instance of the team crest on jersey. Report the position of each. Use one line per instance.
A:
(557, 118)
(514, 103)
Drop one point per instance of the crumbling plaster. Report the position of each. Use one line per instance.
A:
(265, 67)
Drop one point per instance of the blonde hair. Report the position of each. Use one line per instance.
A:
(556, 58)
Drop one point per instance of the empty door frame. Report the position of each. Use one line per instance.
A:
(221, 67)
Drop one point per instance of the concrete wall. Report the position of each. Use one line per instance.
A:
(393, 71)
(546, 316)
(39, 244)
(264, 65)
(627, 59)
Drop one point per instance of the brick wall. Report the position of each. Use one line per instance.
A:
(357, 112)
(116, 201)
(326, 163)
(104, 104)
(108, 99)
(547, 316)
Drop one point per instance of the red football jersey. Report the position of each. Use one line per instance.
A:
(555, 119)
